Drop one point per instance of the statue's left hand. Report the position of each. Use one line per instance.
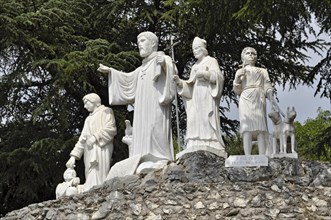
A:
(71, 162)
(160, 58)
(90, 141)
(204, 74)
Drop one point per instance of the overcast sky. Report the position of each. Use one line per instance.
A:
(302, 98)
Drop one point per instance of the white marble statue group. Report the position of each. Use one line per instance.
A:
(253, 86)
(151, 88)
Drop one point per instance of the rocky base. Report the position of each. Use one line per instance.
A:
(198, 186)
(192, 149)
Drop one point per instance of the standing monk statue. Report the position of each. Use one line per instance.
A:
(151, 90)
(253, 86)
(201, 94)
(95, 142)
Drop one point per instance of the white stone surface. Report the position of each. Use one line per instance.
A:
(128, 138)
(218, 152)
(201, 94)
(149, 161)
(253, 85)
(275, 188)
(151, 90)
(124, 167)
(199, 205)
(246, 161)
(320, 202)
(135, 165)
(281, 155)
(283, 129)
(240, 202)
(95, 142)
(70, 186)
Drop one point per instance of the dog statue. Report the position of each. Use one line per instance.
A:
(276, 136)
(282, 130)
(288, 130)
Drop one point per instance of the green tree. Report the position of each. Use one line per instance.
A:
(277, 29)
(48, 63)
(314, 137)
(234, 145)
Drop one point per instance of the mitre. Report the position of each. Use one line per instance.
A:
(199, 42)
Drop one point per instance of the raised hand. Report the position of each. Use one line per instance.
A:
(160, 58)
(104, 69)
(240, 75)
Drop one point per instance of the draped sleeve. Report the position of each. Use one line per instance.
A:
(122, 86)
(216, 78)
(78, 150)
(105, 126)
(237, 87)
(168, 88)
(267, 82)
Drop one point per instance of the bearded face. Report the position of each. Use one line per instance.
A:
(146, 46)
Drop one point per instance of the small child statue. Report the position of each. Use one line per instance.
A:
(70, 186)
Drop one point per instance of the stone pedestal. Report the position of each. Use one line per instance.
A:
(218, 152)
(281, 155)
(246, 161)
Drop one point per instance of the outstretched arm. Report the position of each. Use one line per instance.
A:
(104, 69)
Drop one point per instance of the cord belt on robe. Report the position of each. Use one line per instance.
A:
(252, 87)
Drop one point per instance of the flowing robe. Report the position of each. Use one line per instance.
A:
(101, 125)
(252, 103)
(202, 99)
(151, 89)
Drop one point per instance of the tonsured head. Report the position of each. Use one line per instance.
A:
(91, 101)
